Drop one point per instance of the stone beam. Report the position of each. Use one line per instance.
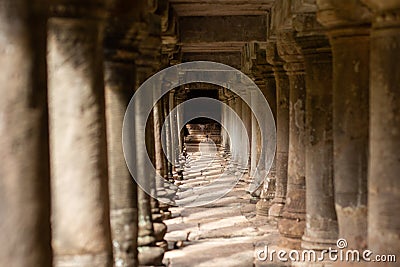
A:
(229, 58)
(282, 13)
(221, 7)
(215, 47)
(222, 29)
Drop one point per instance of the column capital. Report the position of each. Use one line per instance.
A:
(290, 51)
(335, 14)
(273, 57)
(310, 36)
(386, 13)
(382, 6)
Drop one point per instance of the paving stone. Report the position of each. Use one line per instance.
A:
(224, 232)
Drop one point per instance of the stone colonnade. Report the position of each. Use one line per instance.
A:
(338, 61)
(70, 128)
(329, 71)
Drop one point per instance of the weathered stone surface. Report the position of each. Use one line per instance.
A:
(348, 28)
(293, 222)
(383, 182)
(150, 256)
(80, 211)
(200, 235)
(24, 150)
(321, 221)
(282, 122)
(123, 191)
(203, 29)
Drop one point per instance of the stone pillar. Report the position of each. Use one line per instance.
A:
(175, 131)
(254, 156)
(321, 222)
(270, 94)
(180, 98)
(238, 135)
(168, 137)
(228, 125)
(234, 134)
(24, 171)
(292, 225)
(246, 118)
(159, 153)
(349, 38)
(224, 122)
(149, 253)
(172, 127)
(164, 193)
(257, 164)
(230, 103)
(384, 167)
(123, 190)
(266, 83)
(282, 140)
(80, 207)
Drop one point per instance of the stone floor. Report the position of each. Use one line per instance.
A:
(225, 232)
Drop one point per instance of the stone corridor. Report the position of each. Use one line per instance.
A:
(222, 233)
(199, 132)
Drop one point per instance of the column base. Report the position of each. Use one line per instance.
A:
(166, 215)
(160, 229)
(291, 231)
(353, 225)
(124, 235)
(262, 207)
(83, 260)
(276, 208)
(156, 217)
(146, 240)
(291, 243)
(163, 244)
(150, 256)
(293, 222)
(317, 243)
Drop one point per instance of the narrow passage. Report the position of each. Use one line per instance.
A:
(224, 232)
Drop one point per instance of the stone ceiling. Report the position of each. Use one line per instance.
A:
(217, 30)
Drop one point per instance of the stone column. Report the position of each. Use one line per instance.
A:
(384, 167)
(224, 122)
(168, 137)
(282, 140)
(266, 83)
(255, 132)
(80, 207)
(270, 94)
(238, 135)
(119, 84)
(159, 153)
(175, 132)
(164, 193)
(172, 125)
(180, 98)
(232, 130)
(321, 222)
(149, 253)
(24, 171)
(228, 126)
(246, 118)
(348, 30)
(253, 147)
(292, 225)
